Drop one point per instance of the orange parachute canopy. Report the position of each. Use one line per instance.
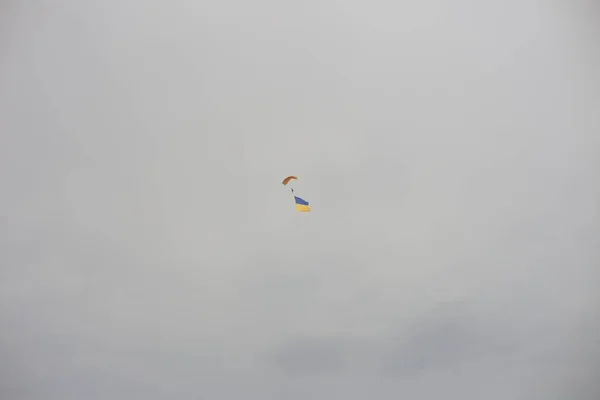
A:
(289, 178)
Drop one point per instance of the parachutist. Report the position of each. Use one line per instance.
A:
(301, 204)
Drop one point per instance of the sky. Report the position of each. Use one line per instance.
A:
(450, 152)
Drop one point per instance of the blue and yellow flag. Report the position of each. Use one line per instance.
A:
(301, 204)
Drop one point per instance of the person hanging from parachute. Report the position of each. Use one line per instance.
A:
(301, 204)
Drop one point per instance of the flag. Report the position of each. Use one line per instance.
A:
(301, 204)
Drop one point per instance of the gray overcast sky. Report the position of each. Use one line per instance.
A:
(450, 150)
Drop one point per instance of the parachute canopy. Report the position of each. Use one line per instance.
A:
(289, 178)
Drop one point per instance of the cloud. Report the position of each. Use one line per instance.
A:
(450, 153)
